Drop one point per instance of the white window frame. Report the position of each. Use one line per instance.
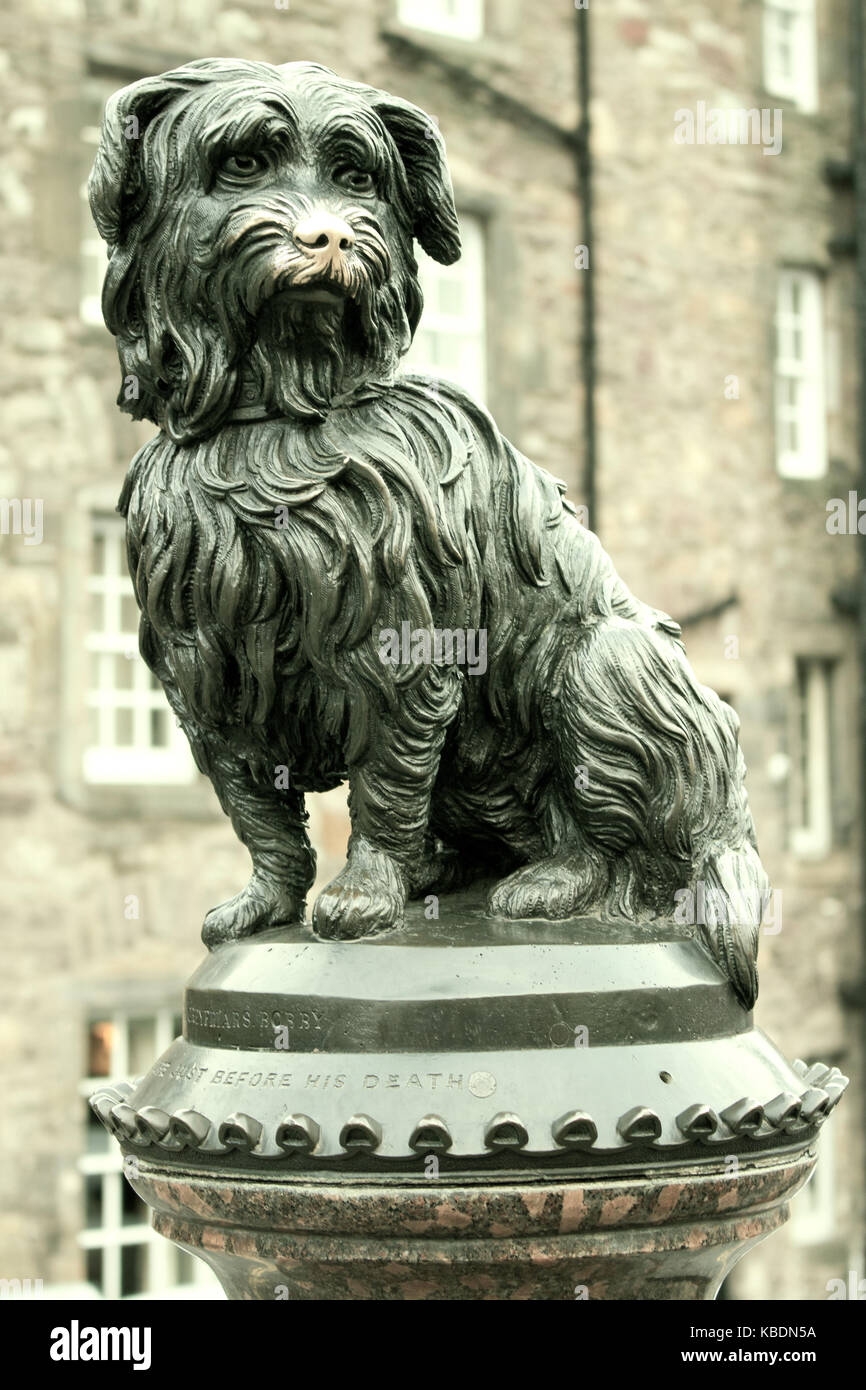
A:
(456, 19)
(800, 389)
(106, 762)
(789, 26)
(94, 253)
(813, 1210)
(812, 836)
(111, 1236)
(170, 14)
(467, 329)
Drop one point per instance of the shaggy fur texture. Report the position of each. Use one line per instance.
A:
(302, 497)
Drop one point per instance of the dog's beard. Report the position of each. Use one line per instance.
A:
(308, 355)
(209, 328)
(299, 355)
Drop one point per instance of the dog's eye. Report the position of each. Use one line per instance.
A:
(242, 166)
(357, 180)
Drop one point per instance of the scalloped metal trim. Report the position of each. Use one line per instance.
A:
(784, 1114)
(574, 1130)
(298, 1134)
(431, 1135)
(361, 1134)
(639, 1125)
(505, 1131)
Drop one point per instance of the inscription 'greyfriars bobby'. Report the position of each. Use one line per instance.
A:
(262, 287)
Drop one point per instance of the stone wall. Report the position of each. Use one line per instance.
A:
(686, 243)
(688, 239)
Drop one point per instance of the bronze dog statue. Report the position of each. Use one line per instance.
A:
(302, 499)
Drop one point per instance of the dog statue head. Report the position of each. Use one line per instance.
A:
(260, 224)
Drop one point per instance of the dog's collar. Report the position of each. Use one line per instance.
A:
(249, 404)
(248, 408)
(257, 411)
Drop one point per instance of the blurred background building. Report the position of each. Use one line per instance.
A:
(668, 324)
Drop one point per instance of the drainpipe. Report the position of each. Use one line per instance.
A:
(858, 61)
(584, 183)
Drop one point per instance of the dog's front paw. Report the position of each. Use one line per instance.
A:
(552, 888)
(258, 906)
(366, 897)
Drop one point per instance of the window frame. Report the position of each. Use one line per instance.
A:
(93, 252)
(813, 1215)
(803, 288)
(105, 761)
(800, 84)
(192, 800)
(812, 833)
(430, 16)
(112, 1236)
(472, 266)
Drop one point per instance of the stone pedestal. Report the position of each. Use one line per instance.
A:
(469, 1108)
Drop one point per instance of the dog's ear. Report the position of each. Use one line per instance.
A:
(422, 151)
(115, 184)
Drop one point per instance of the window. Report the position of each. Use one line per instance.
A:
(124, 1258)
(450, 340)
(801, 448)
(459, 19)
(812, 1210)
(168, 13)
(133, 735)
(94, 256)
(790, 60)
(813, 830)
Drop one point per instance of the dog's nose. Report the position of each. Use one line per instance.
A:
(322, 231)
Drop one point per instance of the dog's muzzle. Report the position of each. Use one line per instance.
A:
(299, 254)
(325, 241)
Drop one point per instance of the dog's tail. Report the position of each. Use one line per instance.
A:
(661, 799)
(734, 891)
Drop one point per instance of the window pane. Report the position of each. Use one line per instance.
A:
(813, 834)
(100, 1040)
(801, 449)
(459, 18)
(125, 746)
(134, 1211)
(123, 735)
(92, 1202)
(142, 1044)
(93, 1268)
(790, 51)
(450, 340)
(128, 613)
(159, 728)
(451, 297)
(97, 612)
(124, 673)
(133, 1269)
(97, 1139)
(184, 1265)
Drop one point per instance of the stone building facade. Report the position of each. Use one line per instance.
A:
(112, 848)
(698, 246)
